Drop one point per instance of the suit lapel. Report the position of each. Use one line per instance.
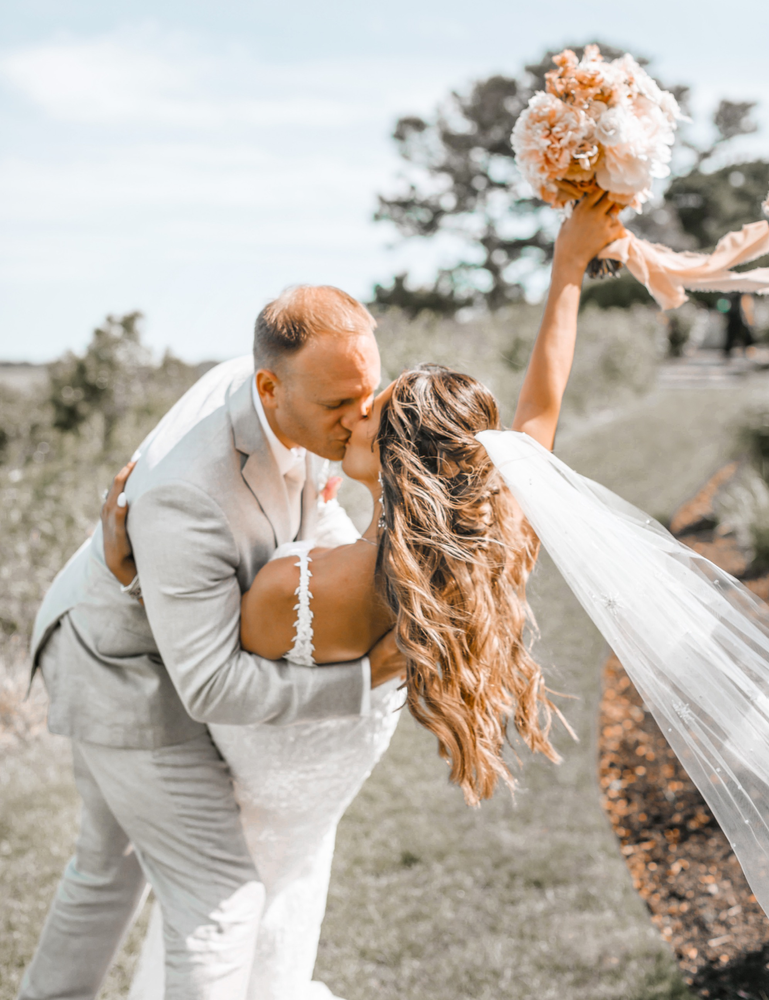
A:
(260, 470)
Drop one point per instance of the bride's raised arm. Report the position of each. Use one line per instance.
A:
(593, 224)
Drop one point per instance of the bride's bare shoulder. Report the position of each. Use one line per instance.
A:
(350, 615)
(280, 577)
(341, 577)
(266, 609)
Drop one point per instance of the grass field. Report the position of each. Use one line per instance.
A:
(430, 900)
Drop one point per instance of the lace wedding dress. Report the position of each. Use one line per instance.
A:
(293, 784)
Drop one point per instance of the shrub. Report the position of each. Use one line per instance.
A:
(53, 470)
(743, 507)
(755, 436)
(760, 539)
(618, 351)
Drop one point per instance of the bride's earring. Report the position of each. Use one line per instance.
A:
(381, 523)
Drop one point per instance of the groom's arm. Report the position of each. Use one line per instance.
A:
(187, 559)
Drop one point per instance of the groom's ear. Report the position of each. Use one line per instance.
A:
(266, 384)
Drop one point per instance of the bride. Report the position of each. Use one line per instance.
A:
(444, 563)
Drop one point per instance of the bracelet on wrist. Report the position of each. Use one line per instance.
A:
(133, 589)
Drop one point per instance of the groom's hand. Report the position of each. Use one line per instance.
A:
(118, 554)
(386, 660)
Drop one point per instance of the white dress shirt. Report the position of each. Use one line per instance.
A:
(290, 462)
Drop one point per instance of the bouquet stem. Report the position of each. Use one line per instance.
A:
(603, 268)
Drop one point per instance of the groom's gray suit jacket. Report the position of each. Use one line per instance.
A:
(208, 506)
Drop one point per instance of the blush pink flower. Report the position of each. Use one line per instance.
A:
(599, 122)
(549, 138)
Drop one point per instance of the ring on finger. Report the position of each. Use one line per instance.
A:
(121, 500)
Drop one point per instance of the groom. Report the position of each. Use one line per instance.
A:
(232, 471)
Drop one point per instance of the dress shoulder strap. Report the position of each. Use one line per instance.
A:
(302, 650)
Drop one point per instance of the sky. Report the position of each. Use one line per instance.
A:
(190, 159)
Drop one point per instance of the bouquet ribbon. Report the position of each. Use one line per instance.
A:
(667, 273)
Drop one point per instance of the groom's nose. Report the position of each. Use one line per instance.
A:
(356, 411)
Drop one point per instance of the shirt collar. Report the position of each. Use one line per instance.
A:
(286, 458)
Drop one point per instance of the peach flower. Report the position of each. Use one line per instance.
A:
(550, 138)
(597, 122)
(580, 81)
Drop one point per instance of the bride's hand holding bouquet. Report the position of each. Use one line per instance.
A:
(592, 224)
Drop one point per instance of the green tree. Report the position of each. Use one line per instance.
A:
(709, 205)
(442, 298)
(106, 381)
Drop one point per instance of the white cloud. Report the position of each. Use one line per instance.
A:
(114, 81)
(165, 179)
(146, 79)
(118, 176)
(93, 80)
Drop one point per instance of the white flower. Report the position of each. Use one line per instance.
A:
(599, 122)
(670, 108)
(614, 126)
(630, 165)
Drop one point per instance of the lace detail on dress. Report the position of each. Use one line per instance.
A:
(303, 648)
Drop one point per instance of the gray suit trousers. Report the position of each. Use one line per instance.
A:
(167, 817)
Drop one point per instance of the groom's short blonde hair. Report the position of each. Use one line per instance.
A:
(301, 312)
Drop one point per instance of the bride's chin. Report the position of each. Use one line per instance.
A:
(348, 468)
(356, 470)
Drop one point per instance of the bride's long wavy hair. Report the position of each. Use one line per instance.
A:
(453, 562)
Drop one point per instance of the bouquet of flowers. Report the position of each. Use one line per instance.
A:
(598, 123)
(608, 124)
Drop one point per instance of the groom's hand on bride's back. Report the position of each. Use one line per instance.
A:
(117, 547)
(386, 660)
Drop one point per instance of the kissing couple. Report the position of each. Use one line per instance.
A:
(228, 655)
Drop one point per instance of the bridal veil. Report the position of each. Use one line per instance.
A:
(694, 641)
